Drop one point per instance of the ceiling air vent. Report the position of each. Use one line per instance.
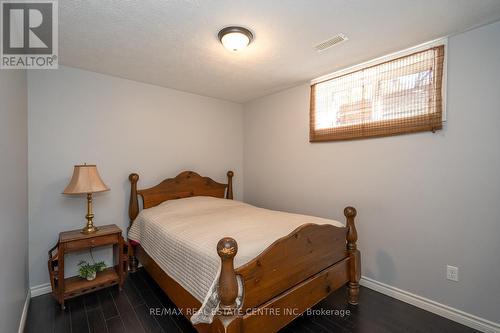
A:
(331, 42)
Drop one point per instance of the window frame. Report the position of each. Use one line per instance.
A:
(321, 135)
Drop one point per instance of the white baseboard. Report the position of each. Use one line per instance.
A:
(442, 310)
(24, 315)
(41, 289)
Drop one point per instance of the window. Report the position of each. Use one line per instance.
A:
(399, 96)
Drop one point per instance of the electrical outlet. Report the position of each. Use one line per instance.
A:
(452, 273)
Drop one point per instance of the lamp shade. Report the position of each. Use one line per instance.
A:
(85, 179)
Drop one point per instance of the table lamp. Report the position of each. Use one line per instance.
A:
(86, 180)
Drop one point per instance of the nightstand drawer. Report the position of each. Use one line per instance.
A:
(91, 242)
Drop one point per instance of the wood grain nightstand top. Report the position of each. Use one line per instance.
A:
(74, 235)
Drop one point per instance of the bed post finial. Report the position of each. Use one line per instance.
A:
(133, 211)
(229, 194)
(355, 257)
(228, 285)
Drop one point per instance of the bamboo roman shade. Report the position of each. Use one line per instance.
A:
(395, 97)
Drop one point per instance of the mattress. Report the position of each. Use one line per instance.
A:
(181, 236)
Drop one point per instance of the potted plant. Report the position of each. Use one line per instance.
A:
(89, 271)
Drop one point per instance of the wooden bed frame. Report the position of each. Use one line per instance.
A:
(290, 276)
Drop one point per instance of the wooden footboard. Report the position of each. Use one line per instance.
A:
(281, 310)
(291, 260)
(293, 274)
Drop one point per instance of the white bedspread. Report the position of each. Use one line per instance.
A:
(181, 236)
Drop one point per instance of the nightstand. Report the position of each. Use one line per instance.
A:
(71, 241)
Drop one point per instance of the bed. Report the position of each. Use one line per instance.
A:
(276, 267)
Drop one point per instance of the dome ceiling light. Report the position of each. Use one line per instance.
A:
(235, 38)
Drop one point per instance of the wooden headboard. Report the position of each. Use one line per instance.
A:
(186, 184)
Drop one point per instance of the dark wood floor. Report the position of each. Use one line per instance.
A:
(112, 311)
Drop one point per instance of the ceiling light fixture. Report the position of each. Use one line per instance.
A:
(235, 38)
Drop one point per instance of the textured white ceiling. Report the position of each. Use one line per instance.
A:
(173, 43)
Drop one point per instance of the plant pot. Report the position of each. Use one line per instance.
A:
(91, 276)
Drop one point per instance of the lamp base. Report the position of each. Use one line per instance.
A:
(89, 230)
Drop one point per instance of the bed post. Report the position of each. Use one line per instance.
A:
(227, 321)
(228, 286)
(133, 211)
(229, 194)
(355, 263)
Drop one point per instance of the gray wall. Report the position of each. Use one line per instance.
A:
(13, 198)
(123, 126)
(424, 200)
